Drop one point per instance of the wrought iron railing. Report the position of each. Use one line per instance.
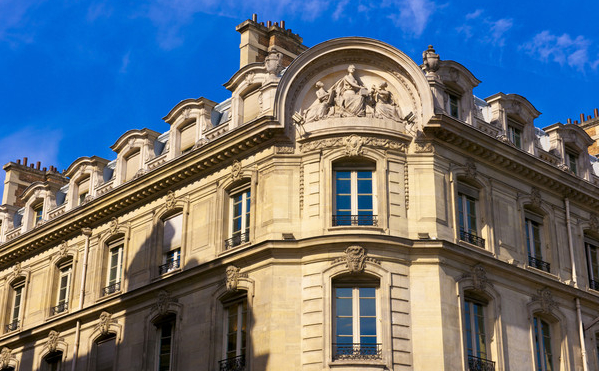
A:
(594, 285)
(110, 289)
(472, 238)
(232, 364)
(168, 267)
(480, 364)
(357, 351)
(14, 325)
(340, 220)
(538, 263)
(62, 307)
(237, 240)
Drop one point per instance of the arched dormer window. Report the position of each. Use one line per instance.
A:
(354, 196)
(187, 137)
(132, 164)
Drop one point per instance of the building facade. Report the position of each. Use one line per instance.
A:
(346, 209)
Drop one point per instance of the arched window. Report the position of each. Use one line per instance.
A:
(52, 362)
(105, 353)
(354, 196)
(356, 332)
(235, 331)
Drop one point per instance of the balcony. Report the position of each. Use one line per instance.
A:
(594, 285)
(13, 326)
(472, 238)
(352, 220)
(232, 364)
(62, 307)
(538, 263)
(237, 240)
(111, 289)
(169, 267)
(356, 351)
(480, 364)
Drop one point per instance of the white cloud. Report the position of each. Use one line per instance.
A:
(125, 62)
(338, 13)
(563, 49)
(498, 29)
(13, 17)
(413, 16)
(475, 14)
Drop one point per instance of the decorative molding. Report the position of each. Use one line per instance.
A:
(104, 323)
(544, 297)
(285, 148)
(64, 249)
(353, 145)
(470, 168)
(363, 141)
(301, 188)
(114, 226)
(355, 259)
(5, 357)
(52, 342)
(594, 222)
(17, 269)
(478, 275)
(232, 277)
(406, 185)
(186, 113)
(423, 147)
(236, 170)
(170, 201)
(249, 77)
(162, 302)
(535, 197)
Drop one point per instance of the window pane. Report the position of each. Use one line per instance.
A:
(367, 326)
(367, 307)
(344, 326)
(365, 203)
(344, 307)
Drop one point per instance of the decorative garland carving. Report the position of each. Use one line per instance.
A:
(545, 298)
(286, 148)
(232, 278)
(355, 140)
(423, 147)
(301, 188)
(355, 259)
(236, 170)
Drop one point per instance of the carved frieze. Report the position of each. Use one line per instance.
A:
(363, 141)
(355, 259)
(423, 147)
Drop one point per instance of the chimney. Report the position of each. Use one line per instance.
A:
(569, 120)
(19, 176)
(256, 39)
(596, 112)
(581, 118)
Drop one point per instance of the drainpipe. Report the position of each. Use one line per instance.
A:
(575, 282)
(87, 232)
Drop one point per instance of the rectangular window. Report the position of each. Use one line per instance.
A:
(467, 215)
(64, 284)
(593, 263)
(355, 325)
(132, 165)
(172, 261)
(171, 243)
(571, 160)
(106, 353)
(533, 225)
(515, 136)
(454, 105)
(53, 361)
(354, 201)
(235, 336)
(17, 303)
(115, 268)
(543, 352)
(83, 189)
(188, 134)
(476, 336)
(239, 230)
(38, 212)
(165, 347)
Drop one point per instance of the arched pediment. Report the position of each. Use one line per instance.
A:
(80, 166)
(188, 108)
(387, 90)
(134, 138)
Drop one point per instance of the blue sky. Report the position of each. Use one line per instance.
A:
(75, 75)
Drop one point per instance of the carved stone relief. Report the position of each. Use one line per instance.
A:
(353, 145)
(594, 222)
(114, 226)
(470, 168)
(162, 302)
(170, 201)
(355, 259)
(478, 275)
(535, 197)
(52, 342)
(343, 142)
(236, 170)
(104, 323)
(5, 356)
(64, 249)
(232, 278)
(545, 298)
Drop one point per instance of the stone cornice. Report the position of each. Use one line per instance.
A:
(151, 185)
(512, 160)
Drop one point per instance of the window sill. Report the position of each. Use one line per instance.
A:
(109, 296)
(377, 364)
(236, 248)
(541, 272)
(168, 274)
(356, 227)
(474, 247)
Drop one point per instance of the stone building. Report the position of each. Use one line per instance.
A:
(347, 208)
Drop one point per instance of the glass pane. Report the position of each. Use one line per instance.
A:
(368, 326)
(343, 292)
(367, 292)
(344, 326)
(344, 307)
(343, 204)
(367, 307)
(365, 202)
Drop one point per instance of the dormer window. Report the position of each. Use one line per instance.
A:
(188, 137)
(83, 191)
(571, 160)
(514, 134)
(38, 211)
(453, 105)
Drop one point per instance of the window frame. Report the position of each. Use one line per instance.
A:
(540, 347)
(241, 331)
(16, 305)
(454, 103)
(56, 355)
(592, 252)
(468, 198)
(170, 321)
(116, 285)
(481, 359)
(237, 237)
(64, 269)
(571, 159)
(534, 246)
(38, 212)
(171, 259)
(514, 134)
(355, 217)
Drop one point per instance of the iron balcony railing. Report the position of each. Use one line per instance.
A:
(340, 220)
(62, 307)
(480, 364)
(237, 240)
(168, 267)
(356, 351)
(111, 289)
(594, 285)
(472, 238)
(232, 364)
(538, 263)
(13, 326)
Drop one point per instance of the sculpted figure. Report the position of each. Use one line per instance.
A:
(320, 107)
(350, 94)
(385, 106)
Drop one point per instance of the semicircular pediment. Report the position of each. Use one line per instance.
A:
(351, 83)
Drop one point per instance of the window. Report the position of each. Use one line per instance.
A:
(571, 160)
(83, 191)
(188, 134)
(166, 331)
(235, 333)
(453, 105)
(353, 196)
(132, 165)
(115, 268)
(593, 262)
(533, 225)
(355, 322)
(543, 352)
(476, 336)
(64, 284)
(239, 229)
(38, 211)
(16, 306)
(106, 353)
(53, 361)
(171, 243)
(515, 135)
(467, 215)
